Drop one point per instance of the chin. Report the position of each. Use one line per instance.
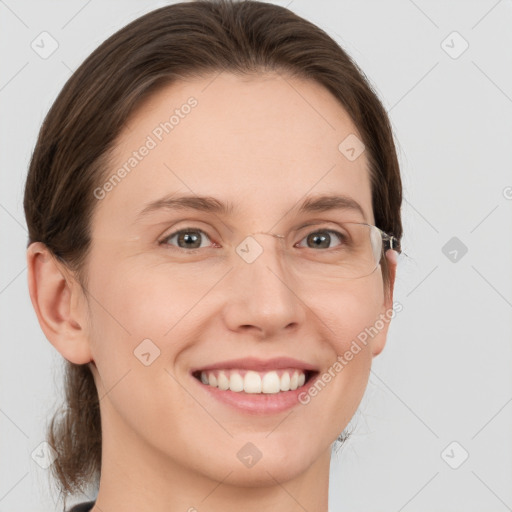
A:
(261, 462)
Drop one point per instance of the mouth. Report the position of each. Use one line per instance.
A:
(256, 386)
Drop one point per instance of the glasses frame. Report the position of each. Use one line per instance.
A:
(386, 237)
(389, 241)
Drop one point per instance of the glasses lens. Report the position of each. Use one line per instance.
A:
(352, 251)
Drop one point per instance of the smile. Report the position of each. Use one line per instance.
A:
(249, 381)
(256, 386)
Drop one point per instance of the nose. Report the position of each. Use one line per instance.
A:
(264, 298)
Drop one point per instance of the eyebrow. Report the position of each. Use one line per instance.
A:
(213, 205)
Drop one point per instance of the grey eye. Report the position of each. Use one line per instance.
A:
(187, 238)
(321, 239)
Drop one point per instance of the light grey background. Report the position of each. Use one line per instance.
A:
(444, 375)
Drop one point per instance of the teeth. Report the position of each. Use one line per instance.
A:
(285, 381)
(222, 381)
(254, 382)
(271, 383)
(294, 381)
(236, 382)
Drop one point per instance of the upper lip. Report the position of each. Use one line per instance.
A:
(253, 363)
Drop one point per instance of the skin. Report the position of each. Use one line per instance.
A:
(165, 446)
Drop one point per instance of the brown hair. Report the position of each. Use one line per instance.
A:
(71, 156)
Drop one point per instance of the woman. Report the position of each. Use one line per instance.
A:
(213, 208)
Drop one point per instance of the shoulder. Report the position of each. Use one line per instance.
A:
(82, 507)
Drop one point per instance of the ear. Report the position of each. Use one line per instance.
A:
(59, 303)
(380, 340)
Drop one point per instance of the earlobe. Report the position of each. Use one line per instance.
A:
(56, 298)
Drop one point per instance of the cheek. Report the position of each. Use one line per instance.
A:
(143, 314)
(136, 302)
(132, 310)
(348, 315)
(129, 315)
(349, 311)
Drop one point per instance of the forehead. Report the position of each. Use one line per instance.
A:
(263, 143)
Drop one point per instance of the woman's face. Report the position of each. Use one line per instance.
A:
(162, 306)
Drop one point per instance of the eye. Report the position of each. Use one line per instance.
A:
(188, 238)
(321, 238)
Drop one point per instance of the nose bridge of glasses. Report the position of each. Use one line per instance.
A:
(267, 233)
(280, 238)
(280, 246)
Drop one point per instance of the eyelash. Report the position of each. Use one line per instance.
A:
(164, 240)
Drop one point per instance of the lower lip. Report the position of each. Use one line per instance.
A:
(259, 403)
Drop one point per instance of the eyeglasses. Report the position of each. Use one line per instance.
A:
(341, 250)
(350, 250)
